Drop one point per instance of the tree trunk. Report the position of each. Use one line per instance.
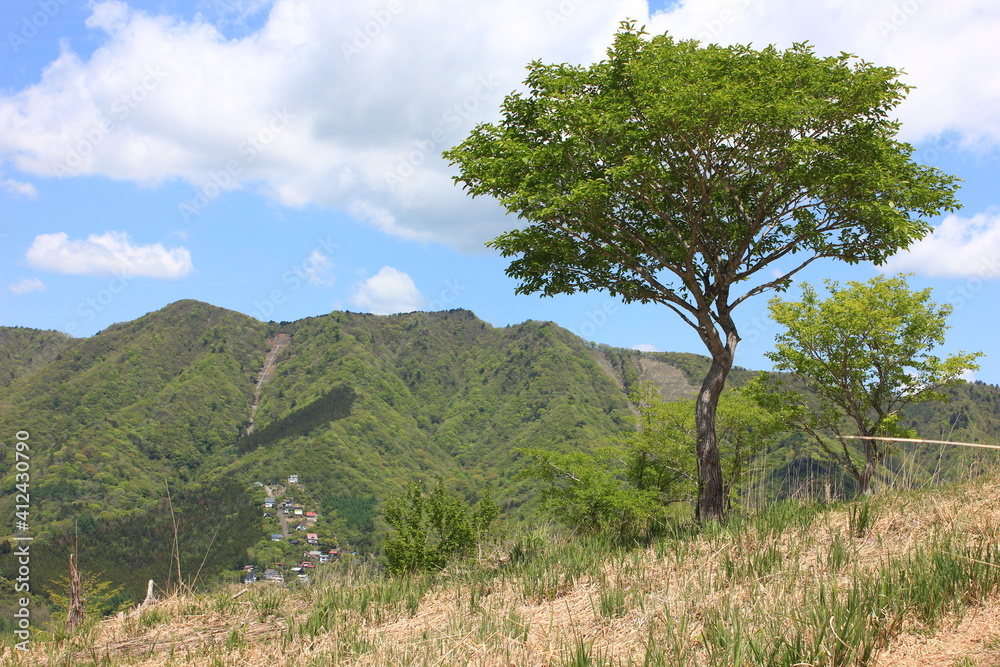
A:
(711, 494)
(872, 459)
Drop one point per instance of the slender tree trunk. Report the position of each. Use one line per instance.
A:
(872, 459)
(711, 494)
(865, 479)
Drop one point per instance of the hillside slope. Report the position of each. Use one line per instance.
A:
(903, 579)
(113, 416)
(23, 351)
(437, 394)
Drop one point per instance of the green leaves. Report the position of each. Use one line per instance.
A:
(432, 529)
(674, 173)
(872, 339)
(625, 489)
(669, 154)
(590, 493)
(867, 352)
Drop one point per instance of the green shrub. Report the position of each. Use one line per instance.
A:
(432, 529)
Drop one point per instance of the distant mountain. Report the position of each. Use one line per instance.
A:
(356, 405)
(113, 416)
(23, 351)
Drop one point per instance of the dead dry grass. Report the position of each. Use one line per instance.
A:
(975, 639)
(660, 596)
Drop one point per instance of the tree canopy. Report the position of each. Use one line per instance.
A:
(865, 352)
(673, 173)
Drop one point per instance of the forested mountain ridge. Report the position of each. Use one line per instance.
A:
(356, 405)
(437, 394)
(23, 351)
(113, 416)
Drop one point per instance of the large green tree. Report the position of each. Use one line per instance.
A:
(864, 353)
(697, 177)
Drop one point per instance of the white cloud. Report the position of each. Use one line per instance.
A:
(388, 291)
(316, 269)
(645, 347)
(26, 286)
(946, 49)
(111, 253)
(374, 91)
(20, 189)
(958, 247)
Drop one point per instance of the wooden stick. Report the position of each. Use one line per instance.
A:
(149, 595)
(74, 615)
(177, 548)
(931, 442)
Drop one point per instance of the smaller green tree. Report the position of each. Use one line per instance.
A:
(863, 354)
(659, 454)
(432, 529)
(100, 597)
(591, 493)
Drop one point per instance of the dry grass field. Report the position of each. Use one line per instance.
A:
(903, 578)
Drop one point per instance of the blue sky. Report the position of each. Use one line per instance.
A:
(282, 157)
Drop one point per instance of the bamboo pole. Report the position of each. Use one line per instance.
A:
(933, 442)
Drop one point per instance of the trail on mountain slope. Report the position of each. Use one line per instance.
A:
(276, 344)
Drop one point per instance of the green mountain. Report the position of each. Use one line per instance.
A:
(173, 422)
(356, 405)
(23, 351)
(113, 416)
(436, 394)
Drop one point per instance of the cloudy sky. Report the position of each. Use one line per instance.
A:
(282, 157)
